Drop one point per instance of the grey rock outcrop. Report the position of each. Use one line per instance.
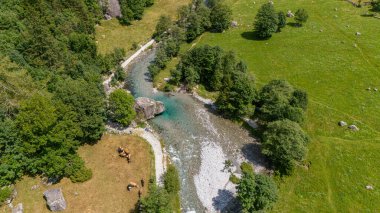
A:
(111, 7)
(55, 200)
(234, 24)
(18, 209)
(147, 108)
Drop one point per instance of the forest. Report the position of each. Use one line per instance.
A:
(52, 100)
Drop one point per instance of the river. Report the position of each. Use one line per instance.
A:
(198, 142)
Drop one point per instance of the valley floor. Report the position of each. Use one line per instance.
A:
(107, 190)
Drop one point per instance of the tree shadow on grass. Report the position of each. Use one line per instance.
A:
(293, 24)
(367, 15)
(253, 35)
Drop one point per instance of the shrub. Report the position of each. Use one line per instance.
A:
(135, 45)
(168, 88)
(158, 200)
(234, 179)
(301, 16)
(77, 171)
(81, 175)
(246, 168)
(171, 180)
(5, 193)
(281, 20)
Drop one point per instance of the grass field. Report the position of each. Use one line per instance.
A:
(110, 34)
(106, 191)
(335, 67)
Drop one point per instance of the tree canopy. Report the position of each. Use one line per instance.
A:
(220, 17)
(279, 100)
(121, 107)
(266, 21)
(133, 10)
(256, 192)
(284, 143)
(54, 99)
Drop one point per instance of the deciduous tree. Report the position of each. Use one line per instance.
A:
(266, 21)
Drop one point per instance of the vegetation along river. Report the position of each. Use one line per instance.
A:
(198, 142)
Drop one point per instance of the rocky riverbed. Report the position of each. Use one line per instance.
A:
(198, 142)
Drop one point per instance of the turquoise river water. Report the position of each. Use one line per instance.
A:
(198, 142)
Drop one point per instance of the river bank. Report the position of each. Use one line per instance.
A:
(198, 141)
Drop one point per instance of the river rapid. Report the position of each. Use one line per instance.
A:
(198, 142)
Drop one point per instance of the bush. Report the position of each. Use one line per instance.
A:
(301, 16)
(246, 168)
(158, 200)
(135, 45)
(81, 175)
(120, 74)
(5, 193)
(171, 180)
(281, 20)
(168, 88)
(234, 179)
(77, 171)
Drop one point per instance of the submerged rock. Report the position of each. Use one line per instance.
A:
(147, 108)
(55, 200)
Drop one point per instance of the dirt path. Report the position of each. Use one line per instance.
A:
(159, 156)
(147, 134)
(124, 65)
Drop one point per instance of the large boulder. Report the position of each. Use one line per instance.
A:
(112, 8)
(342, 123)
(353, 128)
(55, 200)
(147, 108)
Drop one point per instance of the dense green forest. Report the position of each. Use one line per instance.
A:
(52, 100)
(133, 10)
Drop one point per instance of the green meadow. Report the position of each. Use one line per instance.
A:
(327, 59)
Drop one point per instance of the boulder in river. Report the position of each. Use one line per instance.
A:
(55, 200)
(147, 108)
